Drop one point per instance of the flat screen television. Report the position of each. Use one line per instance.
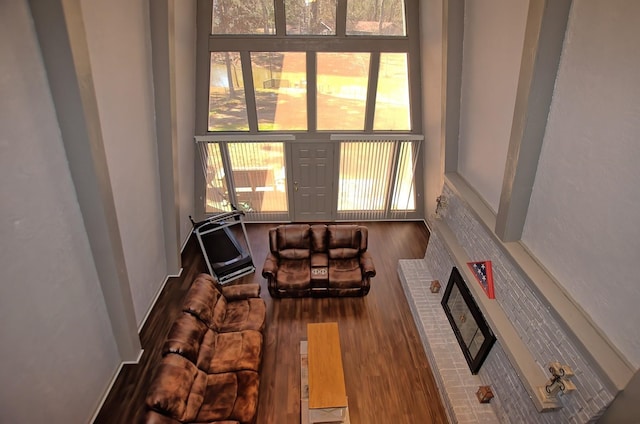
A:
(472, 331)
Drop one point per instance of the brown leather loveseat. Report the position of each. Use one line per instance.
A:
(209, 372)
(318, 260)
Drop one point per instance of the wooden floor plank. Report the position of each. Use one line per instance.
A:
(387, 375)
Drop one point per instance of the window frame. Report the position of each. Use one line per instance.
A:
(310, 44)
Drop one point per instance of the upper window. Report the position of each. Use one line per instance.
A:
(309, 65)
(242, 17)
(310, 17)
(376, 17)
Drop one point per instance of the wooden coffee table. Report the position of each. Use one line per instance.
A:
(327, 393)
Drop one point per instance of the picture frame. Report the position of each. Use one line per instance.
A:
(483, 273)
(469, 325)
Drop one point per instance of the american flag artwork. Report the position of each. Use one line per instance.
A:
(482, 271)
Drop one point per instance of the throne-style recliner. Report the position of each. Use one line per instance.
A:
(318, 260)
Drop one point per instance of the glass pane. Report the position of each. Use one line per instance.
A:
(310, 17)
(364, 175)
(217, 198)
(376, 17)
(243, 17)
(392, 97)
(404, 193)
(227, 106)
(259, 176)
(342, 90)
(280, 81)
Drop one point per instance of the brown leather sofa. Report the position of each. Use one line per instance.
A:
(318, 260)
(210, 368)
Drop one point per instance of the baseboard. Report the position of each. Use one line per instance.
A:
(164, 283)
(155, 299)
(111, 383)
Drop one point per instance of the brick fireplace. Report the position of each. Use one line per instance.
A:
(535, 324)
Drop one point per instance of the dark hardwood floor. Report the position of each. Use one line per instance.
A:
(387, 374)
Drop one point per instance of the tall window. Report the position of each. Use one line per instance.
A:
(272, 72)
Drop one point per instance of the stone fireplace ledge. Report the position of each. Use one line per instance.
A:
(457, 385)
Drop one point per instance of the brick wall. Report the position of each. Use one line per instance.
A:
(457, 385)
(537, 327)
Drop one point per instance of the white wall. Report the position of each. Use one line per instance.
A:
(185, 45)
(582, 222)
(118, 38)
(58, 350)
(493, 41)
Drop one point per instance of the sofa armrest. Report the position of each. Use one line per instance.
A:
(270, 268)
(366, 263)
(241, 291)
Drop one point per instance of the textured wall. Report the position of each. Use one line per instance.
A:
(493, 40)
(185, 14)
(58, 350)
(119, 46)
(582, 222)
(536, 326)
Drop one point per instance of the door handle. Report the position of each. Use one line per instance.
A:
(295, 185)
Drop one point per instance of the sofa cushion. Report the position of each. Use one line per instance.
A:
(345, 273)
(344, 241)
(293, 275)
(293, 241)
(185, 337)
(230, 396)
(177, 389)
(226, 352)
(248, 314)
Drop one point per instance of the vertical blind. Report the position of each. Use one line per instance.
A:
(376, 179)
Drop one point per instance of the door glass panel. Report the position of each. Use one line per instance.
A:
(310, 17)
(404, 197)
(342, 90)
(259, 176)
(364, 175)
(280, 81)
(375, 17)
(217, 197)
(227, 105)
(242, 17)
(392, 97)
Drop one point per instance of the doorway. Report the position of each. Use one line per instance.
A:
(312, 181)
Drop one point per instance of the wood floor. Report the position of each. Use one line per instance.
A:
(387, 375)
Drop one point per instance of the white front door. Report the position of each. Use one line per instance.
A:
(313, 181)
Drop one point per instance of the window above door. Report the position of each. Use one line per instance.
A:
(308, 66)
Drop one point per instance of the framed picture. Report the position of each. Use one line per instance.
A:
(482, 271)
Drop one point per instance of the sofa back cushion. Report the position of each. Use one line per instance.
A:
(292, 241)
(205, 301)
(185, 337)
(344, 241)
(319, 238)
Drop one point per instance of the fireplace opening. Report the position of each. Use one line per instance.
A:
(471, 329)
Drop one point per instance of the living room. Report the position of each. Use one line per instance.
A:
(86, 262)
